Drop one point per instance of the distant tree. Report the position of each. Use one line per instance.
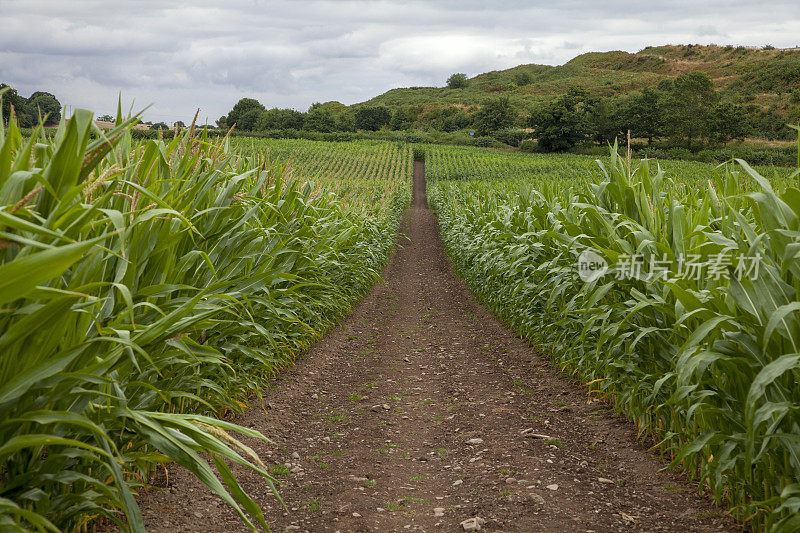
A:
(457, 81)
(337, 108)
(768, 123)
(247, 121)
(345, 121)
(561, 124)
(9, 98)
(372, 118)
(36, 94)
(728, 122)
(687, 107)
(280, 119)
(45, 105)
(246, 106)
(495, 115)
(401, 119)
(222, 122)
(26, 116)
(160, 126)
(607, 119)
(320, 119)
(642, 115)
(179, 124)
(105, 118)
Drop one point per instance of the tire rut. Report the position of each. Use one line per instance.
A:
(412, 415)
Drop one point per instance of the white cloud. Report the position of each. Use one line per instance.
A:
(182, 55)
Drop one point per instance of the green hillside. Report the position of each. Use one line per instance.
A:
(766, 77)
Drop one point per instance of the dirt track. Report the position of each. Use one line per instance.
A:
(385, 411)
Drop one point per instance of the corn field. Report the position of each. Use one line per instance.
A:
(149, 289)
(706, 366)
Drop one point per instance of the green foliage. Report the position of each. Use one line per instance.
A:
(562, 124)
(457, 81)
(522, 78)
(687, 107)
(320, 119)
(448, 119)
(47, 106)
(642, 116)
(510, 136)
(372, 118)
(419, 153)
(28, 110)
(738, 73)
(244, 114)
(706, 366)
(401, 119)
(496, 114)
(279, 119)
(148, 288)
(727, 122)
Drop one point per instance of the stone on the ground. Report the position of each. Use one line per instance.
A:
(295, 455)
(438, 511)
(554, 486)
(604, 480)
(473, 524)
(529, 433)
(475, 441)
(535, 498)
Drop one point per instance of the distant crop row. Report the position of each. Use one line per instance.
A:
(148, 288)
(706, 365)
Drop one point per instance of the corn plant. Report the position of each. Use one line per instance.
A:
(146, 289)
(708, 367)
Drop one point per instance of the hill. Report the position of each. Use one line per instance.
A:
(763, 76)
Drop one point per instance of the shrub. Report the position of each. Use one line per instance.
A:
(457, 81)
(510, 136)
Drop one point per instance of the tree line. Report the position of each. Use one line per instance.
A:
(686, 111)
(29, 110)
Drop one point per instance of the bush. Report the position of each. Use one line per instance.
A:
(486, 142)
(457, 81)
(419, 153)
(529, 145)
(510, 136)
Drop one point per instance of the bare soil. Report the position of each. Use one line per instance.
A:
(421, 400)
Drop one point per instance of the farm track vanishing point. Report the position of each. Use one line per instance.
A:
(385, 414)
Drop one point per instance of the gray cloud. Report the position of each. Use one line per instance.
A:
(182, 55)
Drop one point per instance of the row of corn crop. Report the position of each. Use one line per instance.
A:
(148, 288)
(359, 173)
(706, 365)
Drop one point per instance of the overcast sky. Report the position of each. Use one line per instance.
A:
(180, 56)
